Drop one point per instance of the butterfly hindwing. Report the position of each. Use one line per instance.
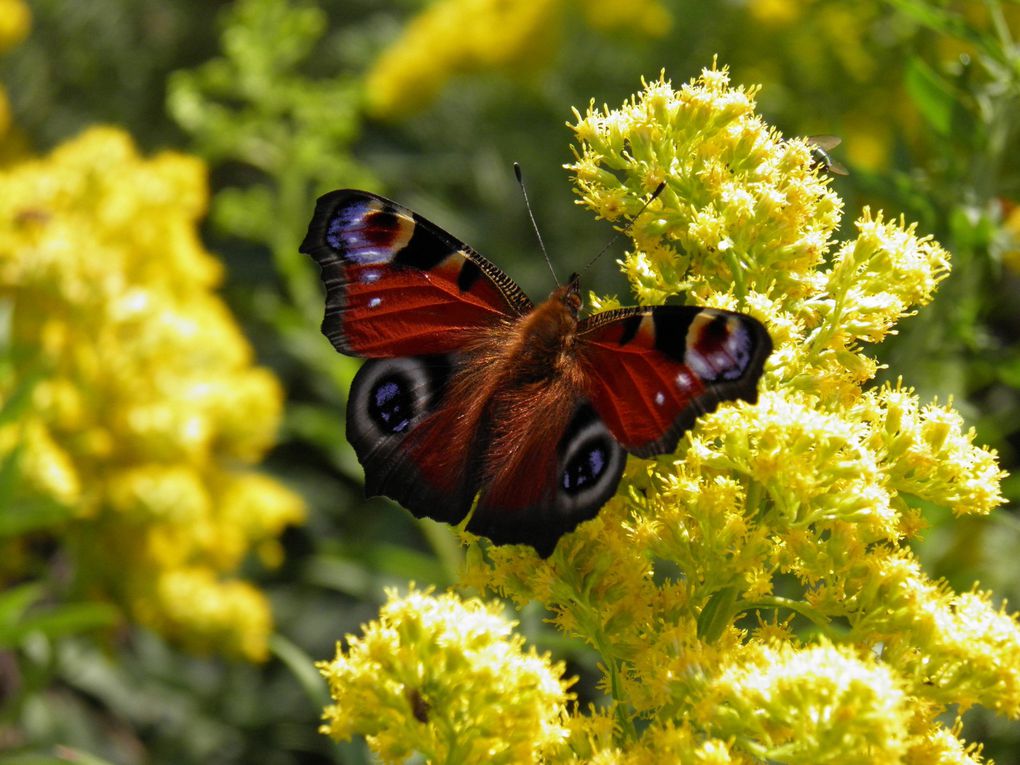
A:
(396, 284)
(653, 371)
(554, 484)
(396, 424)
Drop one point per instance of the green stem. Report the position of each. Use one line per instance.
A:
(776, 602)
(625, 721)
(446, 547)
(737, 271)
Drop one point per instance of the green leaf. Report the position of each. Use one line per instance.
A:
(19, 399)
(16, 600)
(61, 621)
(25, 515)
(302, 666)
(934, 97)
(717, 614)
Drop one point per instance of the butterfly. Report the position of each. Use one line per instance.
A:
(472, 392)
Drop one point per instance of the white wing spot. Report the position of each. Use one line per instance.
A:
(660, 398)
(375, 302)
(684, 382)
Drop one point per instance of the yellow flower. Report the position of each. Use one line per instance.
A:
(941, 746)
(752, 597)
(1011, 228)
(15, 21)
(207, 614)
(456, 36)
(823, 704)
(647, 17)
(446, 678)
(452, 37)
(740, 205)
(148, 408)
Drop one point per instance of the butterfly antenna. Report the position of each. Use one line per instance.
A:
(620, 232)
(534, 225)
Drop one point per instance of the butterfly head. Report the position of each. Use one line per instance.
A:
(570, 294)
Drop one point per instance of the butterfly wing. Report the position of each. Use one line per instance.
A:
(566, 468)
(409, 446)
(652, 371)
(396, 284)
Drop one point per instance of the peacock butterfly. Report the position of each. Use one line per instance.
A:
(471, 390)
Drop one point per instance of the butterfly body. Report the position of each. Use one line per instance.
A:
(472, 391)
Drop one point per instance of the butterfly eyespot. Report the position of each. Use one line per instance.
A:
(586, 467)
(365, 234)
(390, 405)
(591, 462)
(718, 348)
(389, 397)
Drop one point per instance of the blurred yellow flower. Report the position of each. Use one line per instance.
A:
(148, 406)
(15, 21)
(451, 37)
(1011, 229)
(449, 679)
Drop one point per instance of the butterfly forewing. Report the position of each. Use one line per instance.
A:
(397, 285)
(653, 371)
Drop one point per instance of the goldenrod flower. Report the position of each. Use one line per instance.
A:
(148, 408)
(821, 704)
(449, 679)
(15, 21)
(942, 746)
(695, 583)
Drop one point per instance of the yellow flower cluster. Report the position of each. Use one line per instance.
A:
(820, 704)
(453, 37)
(146, 407)
(696, 585)
(446, 678)
(15, 20)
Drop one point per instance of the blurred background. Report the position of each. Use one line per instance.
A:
(126, 633)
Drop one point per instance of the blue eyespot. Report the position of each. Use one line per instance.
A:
(390, 404)
(586, 467)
